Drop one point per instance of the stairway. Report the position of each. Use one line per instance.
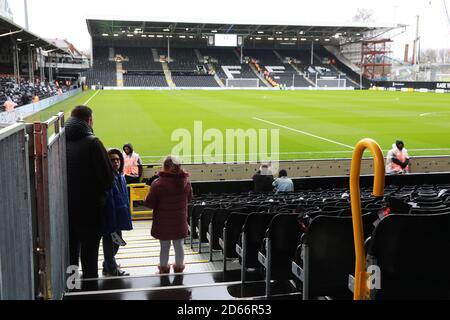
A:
(279, 56)
(238, 55)
(119, 74)
(199, 56)
(168, 74)
(216, 77)
(155, 55)
(260, 77)
(317, 57)
(201, 280)
(293, 65)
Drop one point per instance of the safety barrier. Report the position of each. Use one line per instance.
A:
(52, 209)
(224, 88)
(299, 168)
(32, 108)
(16, 239)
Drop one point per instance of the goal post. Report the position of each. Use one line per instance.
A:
(242, 83)
(331, 82)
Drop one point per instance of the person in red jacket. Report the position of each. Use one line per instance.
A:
(169, 197)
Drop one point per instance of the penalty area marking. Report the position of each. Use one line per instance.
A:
(304, 132)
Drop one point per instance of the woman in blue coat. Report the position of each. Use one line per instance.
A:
(117, 216)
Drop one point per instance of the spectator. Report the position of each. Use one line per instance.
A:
(25, 99)
(397, 159)
(9, 105)
(133, 164)
(283, 183)
(117, 216)
(169, 197)
(89, 178)
(36, 98)
(263, 179)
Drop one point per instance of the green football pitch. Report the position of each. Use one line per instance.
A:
(311, 124)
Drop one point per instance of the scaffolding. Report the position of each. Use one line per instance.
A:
(374, 56)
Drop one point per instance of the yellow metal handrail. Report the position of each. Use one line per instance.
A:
(361, 290)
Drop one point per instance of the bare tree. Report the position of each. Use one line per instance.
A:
(443, 55)
(364, 15)
(429, 56)
(435, 56)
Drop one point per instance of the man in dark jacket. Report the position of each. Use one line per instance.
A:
(89, 178)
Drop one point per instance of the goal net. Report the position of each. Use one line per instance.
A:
(331, 82)
(242, 83)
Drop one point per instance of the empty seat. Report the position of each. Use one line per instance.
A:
(411, 252)
(278, 248)
(329, 256)
(230, 236)
(430, 210)
(253, 232)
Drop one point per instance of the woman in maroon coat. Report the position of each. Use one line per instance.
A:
(169, 197)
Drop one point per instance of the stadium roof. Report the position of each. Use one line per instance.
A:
(67, 47)
(9, 29)
(99, 27)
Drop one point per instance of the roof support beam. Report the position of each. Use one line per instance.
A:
(10, 33)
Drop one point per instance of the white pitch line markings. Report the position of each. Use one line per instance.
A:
(91, 97)
(304, 132)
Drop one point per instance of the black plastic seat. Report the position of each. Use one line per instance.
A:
(278, 248)
(230, 236)
(412, 254)
(204, 220)
(398, 205)
(216, 226)
(253, 232)
(329, 256)
(430, 210)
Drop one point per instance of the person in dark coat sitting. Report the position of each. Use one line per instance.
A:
(89, 178)
(169, 197)
(263, 179)
(117, 216)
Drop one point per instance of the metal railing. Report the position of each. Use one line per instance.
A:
(361, 290)
(52, 211)
(16, 239)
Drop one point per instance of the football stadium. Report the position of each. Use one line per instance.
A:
(198, 159)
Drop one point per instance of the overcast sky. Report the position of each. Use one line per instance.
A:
(67, 19)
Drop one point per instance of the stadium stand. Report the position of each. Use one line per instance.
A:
(138, 59)
(23, 93)
(237, 224)
(182, 59)
(137, 80)
(103, 71)
(279, 67)
(195, 81)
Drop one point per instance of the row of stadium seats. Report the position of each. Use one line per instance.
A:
(195, 81)
(144, 81)
(138, 59)
(24, 92)
(288, 66)
(103, 70)
(181, 59)
(307, 236)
